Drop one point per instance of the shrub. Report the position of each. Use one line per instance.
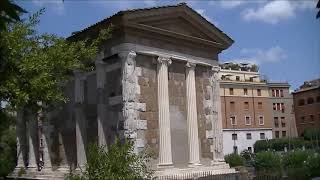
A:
(248, 156)
(294, 162)
(119, 162)
(280, 144)
(234, 160)
(268, 165)
(313, 165)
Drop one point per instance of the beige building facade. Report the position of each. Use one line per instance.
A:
(281, 101)
(246, 115)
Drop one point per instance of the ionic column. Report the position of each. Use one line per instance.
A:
(21, 139)
(192, 121)
(80, 119)
(33, 141)
(101, 106)
(47, 165)
(217, 119)
(165, 155)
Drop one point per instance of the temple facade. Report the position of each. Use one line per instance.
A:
(155, 82)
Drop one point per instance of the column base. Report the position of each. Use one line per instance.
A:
(165, 165)
(32, 169)
(64, 169)
(194, 164)
(80, 169)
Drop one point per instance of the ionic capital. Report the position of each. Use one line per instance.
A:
(190, 65)
(215, 69)
(164, 60)
(127, 54)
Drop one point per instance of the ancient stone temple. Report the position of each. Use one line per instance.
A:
(155, 82)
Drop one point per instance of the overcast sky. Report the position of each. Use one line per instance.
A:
(282, 37)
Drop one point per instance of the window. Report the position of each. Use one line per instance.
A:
(277, 93)
(261, 120)
(247, 120)
(302, 119)
(282, 107)
(245, 91)
(250, 149)
(259, 92)
(246, 105)
(234, 136)
(284, 133)
(233, 120)
(238, 78)
(276, 121)
(311, 118)
(273, 93)
(274, 106)
(301, 102)
(262, 136)
(231, 91)
(310, 100)
(277, 134)
(283, 123)
(278, 106)
(249, 136)
(232, 106)
(259, 105)
(281, 93)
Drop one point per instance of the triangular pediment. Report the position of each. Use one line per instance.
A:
(180, 20)
(179, 25)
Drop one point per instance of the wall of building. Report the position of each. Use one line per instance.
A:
(304, 113)
(285, 117)
(242, 142)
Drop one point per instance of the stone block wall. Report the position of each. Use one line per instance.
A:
(178, 114)
(204, 123)
(148, 95)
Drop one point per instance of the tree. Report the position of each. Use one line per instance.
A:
(9, 12)
(35, 65)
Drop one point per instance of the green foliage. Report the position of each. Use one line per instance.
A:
(234, 160)
(311, 133)
(7, 144)
(267, 160)
(295, 159)
(279, 144)
(248, 156)
(119, 162)
(294, 163)
(34, 66)
(268, 165)
(313, 165)
(9, 12)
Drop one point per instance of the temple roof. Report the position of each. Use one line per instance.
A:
(182, 7)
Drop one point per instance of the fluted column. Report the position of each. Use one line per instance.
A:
(47, 165)
(217, 118)
(80, 119)
(21, 139)
(192, 122)
(33, 141)
(165, 155)
(101, 106)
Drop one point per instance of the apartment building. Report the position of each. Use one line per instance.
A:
(245, 106)
(281, 102)
(307, 106)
